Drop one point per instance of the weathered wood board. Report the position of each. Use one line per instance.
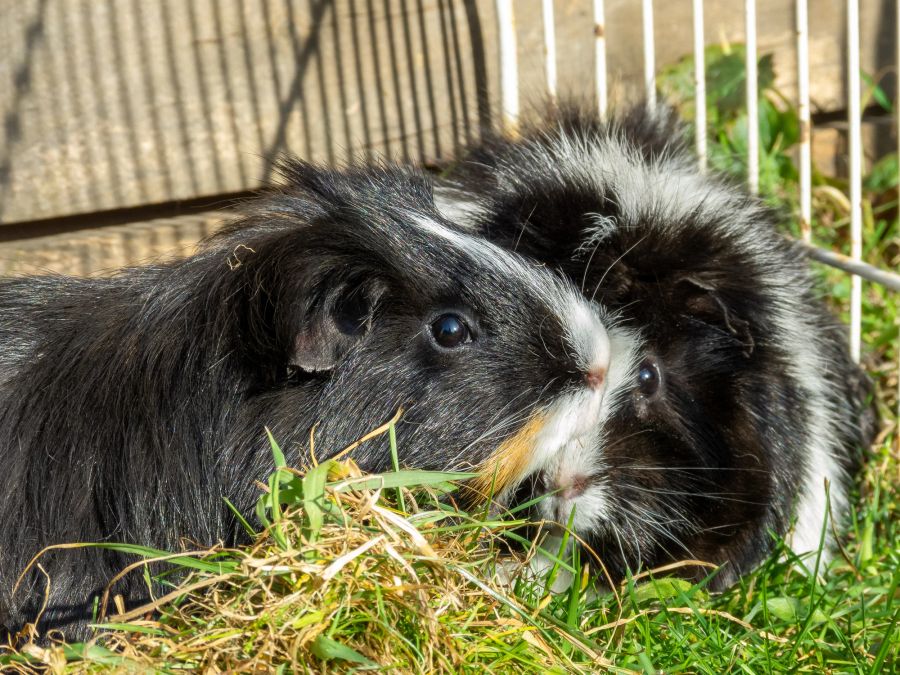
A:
(118, 103)
(111, 104)
(102, 251)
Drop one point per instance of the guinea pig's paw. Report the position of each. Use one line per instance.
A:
(536, 571)
(541, 565)
(507, 570)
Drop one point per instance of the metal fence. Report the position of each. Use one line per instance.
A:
(853, 264)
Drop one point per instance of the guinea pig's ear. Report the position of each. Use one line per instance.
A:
(333, 324)
(702, 299)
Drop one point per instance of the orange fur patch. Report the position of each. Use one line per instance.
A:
(509, 460)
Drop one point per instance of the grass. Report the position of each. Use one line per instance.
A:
(361, 573)
(356, 572)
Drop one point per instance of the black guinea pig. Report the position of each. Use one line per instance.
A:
(131, 405)
(745, 401)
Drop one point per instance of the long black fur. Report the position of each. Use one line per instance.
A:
(131, 405)
(755, 370)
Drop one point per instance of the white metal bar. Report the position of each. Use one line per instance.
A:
(600, 57)
(550, 48)
(752, 98)
(855, 147)
(509, 65)
(649, 53)
(805, 121)
(699, 84)
(889, 280)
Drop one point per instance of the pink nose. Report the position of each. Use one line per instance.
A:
(595, 377)
(575, 487)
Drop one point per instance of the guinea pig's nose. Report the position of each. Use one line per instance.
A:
(595, 377)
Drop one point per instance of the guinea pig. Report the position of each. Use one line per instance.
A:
(745, 402)
(130, 406)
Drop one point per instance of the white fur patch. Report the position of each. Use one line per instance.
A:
(457, 206)
(570, 445)
(583, 456)
(586, 334)
(821, 464)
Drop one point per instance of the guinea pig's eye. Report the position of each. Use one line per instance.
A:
(450, 330)
(648, 378)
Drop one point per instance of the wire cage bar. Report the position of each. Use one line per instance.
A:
(649, 52)
(752, 97)
(803, 114)
(855, 150)
(600, 57)
(852, 264)
(549, 47)
(699, 84)
(509, 65)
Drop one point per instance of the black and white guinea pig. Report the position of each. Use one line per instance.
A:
(131, 405)
(745, 401)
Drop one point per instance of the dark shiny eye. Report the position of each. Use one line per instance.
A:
(449, 331)
(648, 378)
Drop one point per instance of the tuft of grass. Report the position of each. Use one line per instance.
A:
(350, 571)
(357, 572)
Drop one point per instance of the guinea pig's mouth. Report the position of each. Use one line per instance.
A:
(568, 487)
(565, 477)
(561, 501)
(576, 497)
(560, 439)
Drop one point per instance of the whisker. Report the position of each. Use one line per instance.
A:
(653, 522)
(639, 467)
(723, 496)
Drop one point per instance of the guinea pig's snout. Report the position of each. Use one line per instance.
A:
(595, 377)
(590, 347)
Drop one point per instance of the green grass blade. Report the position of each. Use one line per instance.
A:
(248, 528)
(313, 497)
(328, 649)
(211, 566)
(406, 478)
(280, 461)
(887, 642)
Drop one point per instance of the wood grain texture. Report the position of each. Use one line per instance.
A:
(117, 103)
(102, 251)
(111, 104)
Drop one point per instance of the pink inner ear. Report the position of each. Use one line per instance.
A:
(341, 317)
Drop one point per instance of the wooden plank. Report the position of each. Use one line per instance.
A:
(117, 103)
(113, 104)
(830, 144)
(101, 251)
